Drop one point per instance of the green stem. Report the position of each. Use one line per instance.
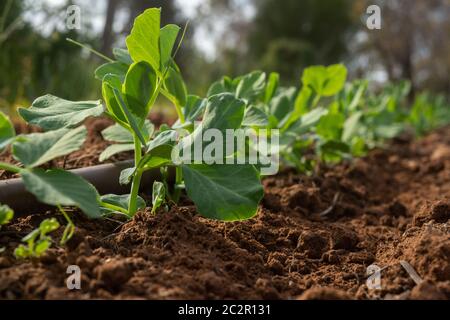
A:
(178, 182)
(101, 55)
(180, 113)
(316, 101)
(9, 167)
(70, 228)
(132, 205)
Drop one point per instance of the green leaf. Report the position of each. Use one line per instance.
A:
(158, 195)
(271, 87)
(224, 192)
(38, 148)
(334, 147)
(121, 201)
(301, 106)
(282, 105)
(122, 55)
(111, 82)
(330, 126)
(175, 86)
(117, 133)
(48, 225)
(255, 117)
(143, 41)
(51, 113)
(7, 131)
(223, 86)
(159, 150)
(325, 81)
(6, 214)
(251, 86)
(136, 125)
(139, 88)
(41, 247)
(168, 36)
(351, 126)
(116, 68)
(223, 111)
(126, 175)
(115, 149)
(194, 107)
(59, 187)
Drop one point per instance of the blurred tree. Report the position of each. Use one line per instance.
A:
(33, 63)
(288, 35)
(413, 42)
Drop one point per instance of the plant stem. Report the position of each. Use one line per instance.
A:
(9, 167)
(316, 101)
(132, 205)
(70, 228)
(101, 55)
(178, 181)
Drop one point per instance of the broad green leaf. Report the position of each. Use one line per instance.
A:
(120, 201)
(122, 55)
(51, 113)
(175, 86)
(111, 82)
(117, 133)
(325, 81)
(223, 111)
(168, 36)
(139, 88)
(158, 195)
(6, 214)
(116, 68)
(224, 192)
(255, 117)
(115, 149)
(330, 126)
(251, 86)
(59, 187)
(143, 41)
(36, 149)
(271, 87)
(7, 131)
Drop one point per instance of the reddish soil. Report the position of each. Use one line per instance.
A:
(313, 238)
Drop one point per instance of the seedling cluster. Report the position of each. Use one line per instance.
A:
(325, 121)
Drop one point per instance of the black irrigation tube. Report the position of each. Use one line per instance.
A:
(104, 177)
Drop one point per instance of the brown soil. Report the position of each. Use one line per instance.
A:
(313, 238)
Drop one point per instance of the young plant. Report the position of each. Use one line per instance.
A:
(55, 186)
(6, 215)
(37, 241)
(130, 87)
